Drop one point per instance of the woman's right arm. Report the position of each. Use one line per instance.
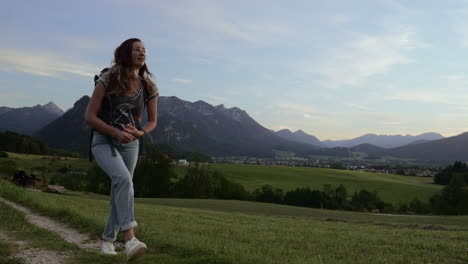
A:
(96, 123)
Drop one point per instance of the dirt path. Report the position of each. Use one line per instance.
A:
(68, 234)
(35, 255)
(39, 256)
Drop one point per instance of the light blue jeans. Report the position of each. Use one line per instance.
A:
(120, 169)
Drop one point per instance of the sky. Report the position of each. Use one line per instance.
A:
(334, 69)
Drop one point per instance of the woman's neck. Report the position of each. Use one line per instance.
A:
(135, 72)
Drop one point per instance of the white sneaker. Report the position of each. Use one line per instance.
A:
(134, 248)
(108, 248)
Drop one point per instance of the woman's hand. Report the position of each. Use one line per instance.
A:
(132, 130)
(123, 136)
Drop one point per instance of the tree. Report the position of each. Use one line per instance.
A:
(418, 207)
(154, 174)
(199, 157)
(454, 197)
(201, 182)
(268, 194)
(341, 196)
(329, 197)
(303, 197)
(444, 177)
(367, 200)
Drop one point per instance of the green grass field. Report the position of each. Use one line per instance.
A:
(42, 166)
(392, 188)
(211, 231)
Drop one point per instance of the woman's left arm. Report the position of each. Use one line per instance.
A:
(152, 107)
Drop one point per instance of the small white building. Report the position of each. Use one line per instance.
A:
(183, 162)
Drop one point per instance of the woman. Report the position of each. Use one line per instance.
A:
(114, 111)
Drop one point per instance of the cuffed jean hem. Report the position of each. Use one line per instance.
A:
(132, 224)
(128, 226)
(106, 238)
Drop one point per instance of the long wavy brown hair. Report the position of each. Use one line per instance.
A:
(121, 71)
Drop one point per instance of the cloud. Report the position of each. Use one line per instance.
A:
(392, 123)
(360, 107)
(363, 58)
(180, 80)
(43, 63)
(212, 17)
(454, 77)
(297, 108)
(252, 31)
(426, 97)
(13, 95)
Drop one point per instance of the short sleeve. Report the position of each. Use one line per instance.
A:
(103, 79)
(152, 95)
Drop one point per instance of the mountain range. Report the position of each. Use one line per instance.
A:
(299, 136)
(188, 126)
(28, 120)
(222, 131)
(383, 141)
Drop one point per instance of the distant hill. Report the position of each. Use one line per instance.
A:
(27, 120)
(383, 141)
(299, 136)
(445, 150)
(371, 150)
(69, 131)
(215, 130)
(4, 109)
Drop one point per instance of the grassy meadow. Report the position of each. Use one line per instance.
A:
(392, 188)
(40, 165)
(214, 231)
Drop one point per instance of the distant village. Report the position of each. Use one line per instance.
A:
(365, 166)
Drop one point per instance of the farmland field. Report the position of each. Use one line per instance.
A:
(392, 188)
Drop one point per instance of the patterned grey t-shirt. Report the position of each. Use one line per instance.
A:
(122, 109)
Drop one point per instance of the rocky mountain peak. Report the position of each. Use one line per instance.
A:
(52, 108)
(284, 131)
(82, 102)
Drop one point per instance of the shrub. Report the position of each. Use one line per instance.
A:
(201, 182)
(8, 167)
(97, 180)
(454, 197)
(418, 207)
(303, 197)
(267, 194)
(154, 174)
(367, 200)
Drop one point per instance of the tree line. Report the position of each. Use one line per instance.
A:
(18, 143)
(445, 175)
(155, 176)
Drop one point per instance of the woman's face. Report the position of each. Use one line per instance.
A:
(138, 54)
